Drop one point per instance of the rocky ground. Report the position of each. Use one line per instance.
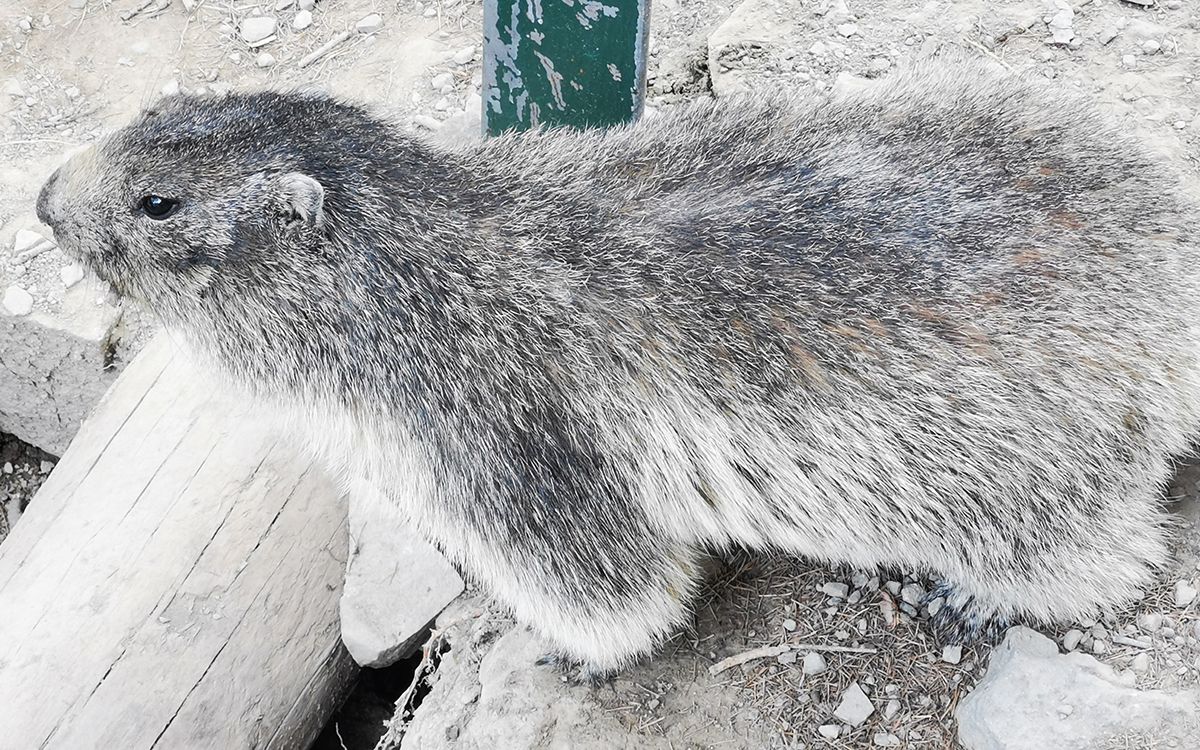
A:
(834, 658)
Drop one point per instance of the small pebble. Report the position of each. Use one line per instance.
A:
(1185, 593)
(884, 739)
(1150, 46)
(264, 60)
(847, 29)
(1174, 4)
(814, 663)
(952, 654)
(1140, 663)
(8, 467)
(283, 4)
(302, 20)
(17, 301)
(912, 593)
(257, 29)
(1108, 34)
(1071, 639)
(789, 625)
(891, 709)
(787, 657)
(464, 55)
(1129, 61)
(369, 24)
(1099, 646)
(836, 590)
(829, 731)
(27, 240)
(1149, 622)
(855, 706)
(306, 4)
(441, 80)
(71, 275)
(653, 704)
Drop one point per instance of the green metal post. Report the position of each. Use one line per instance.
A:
(578, 63)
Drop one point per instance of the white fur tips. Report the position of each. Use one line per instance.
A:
(302, 199)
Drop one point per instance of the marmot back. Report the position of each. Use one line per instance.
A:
(947, 324)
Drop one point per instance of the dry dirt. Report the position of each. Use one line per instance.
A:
(72, 69)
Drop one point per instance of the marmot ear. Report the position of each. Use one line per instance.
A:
(302, 200)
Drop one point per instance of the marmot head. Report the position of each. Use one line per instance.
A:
(203, 191)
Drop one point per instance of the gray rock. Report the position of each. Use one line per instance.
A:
(1185, 593)
(257, 29)
(814, 663)
(912, 593)
(17, 301)
(464, 55)
(369, 24)
(1149, 622)
(952, 654)
(855, 707)
(1071, 639)
(1019, 705)
(837, 590)
(396, 584)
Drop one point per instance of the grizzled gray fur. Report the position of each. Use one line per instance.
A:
(947, 324)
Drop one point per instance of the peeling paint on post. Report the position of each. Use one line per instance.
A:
(579, 63)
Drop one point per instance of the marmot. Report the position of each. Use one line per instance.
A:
(948, 324)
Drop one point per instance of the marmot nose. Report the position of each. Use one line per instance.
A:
(47, 201)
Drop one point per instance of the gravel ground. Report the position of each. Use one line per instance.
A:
(23, 469)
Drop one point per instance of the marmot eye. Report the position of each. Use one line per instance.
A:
(158, 207)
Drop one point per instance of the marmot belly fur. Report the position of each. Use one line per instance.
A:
(948, 324)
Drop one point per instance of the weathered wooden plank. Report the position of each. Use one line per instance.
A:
(175, 584)
(580, 64)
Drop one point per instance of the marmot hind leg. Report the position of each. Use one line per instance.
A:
(1094, 561)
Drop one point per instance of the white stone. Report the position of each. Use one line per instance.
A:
(855, 707)
(789, 625)
(302, 20)
(891, 709)
(1071, 639)
(847, 29)
(258, 29)
(1185, 593)
(1129, 61)
(1151, 46)
(884, 739)
(369, 24)
(26, 240)
(952, 654)
(1140, 663)
(17, 301)
(836, 590)
(814, 663)
(829, 731)
(1018, 704)
(441, 80)
(375, 630)
(264, 60)
(1149, 622)
(71, 275)
(306, 4)
(464, 55)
